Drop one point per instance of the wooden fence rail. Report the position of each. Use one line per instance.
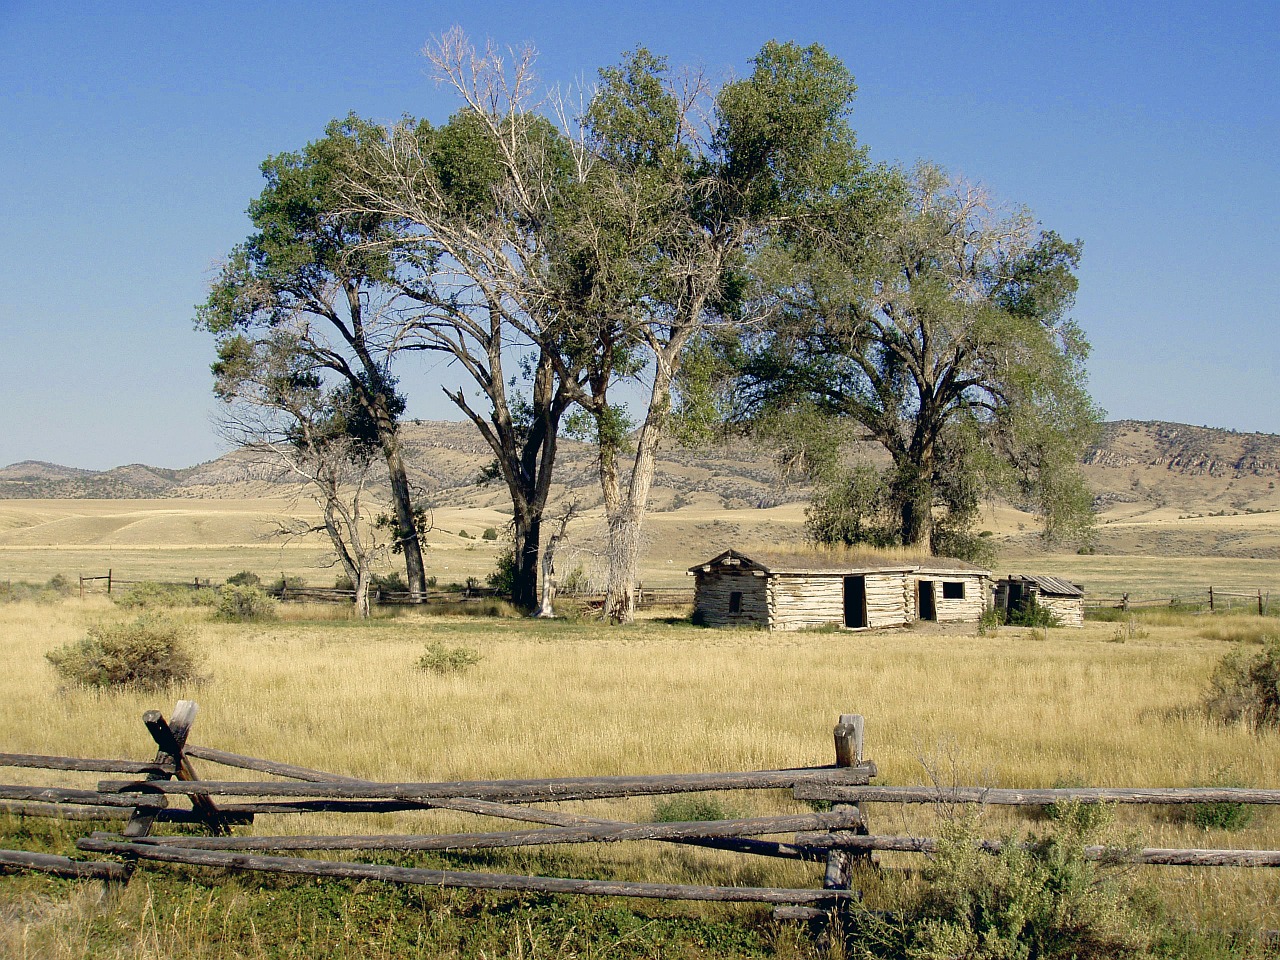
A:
(839, 838)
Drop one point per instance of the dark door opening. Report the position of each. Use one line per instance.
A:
(855, 601)
(928, 609)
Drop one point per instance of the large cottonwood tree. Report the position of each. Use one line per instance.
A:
(945, 337)
(313, 272)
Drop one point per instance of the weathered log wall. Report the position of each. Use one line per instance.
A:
(970, 608)
(1069, 611)
(713, 593)
(800, 601)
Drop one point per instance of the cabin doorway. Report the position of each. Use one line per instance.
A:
(925, 600)
(855, 601)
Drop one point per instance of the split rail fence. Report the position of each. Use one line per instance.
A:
(167, 789)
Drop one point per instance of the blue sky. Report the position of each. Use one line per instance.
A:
(133, 134)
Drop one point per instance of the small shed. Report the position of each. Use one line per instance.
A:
(794, 591)
(1062, 598)
(950, 591)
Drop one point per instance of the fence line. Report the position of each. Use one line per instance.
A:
(840, 837)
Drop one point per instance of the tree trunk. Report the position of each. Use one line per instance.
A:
(406, 525)
(528, 537)
(547, 607)
(361, 581)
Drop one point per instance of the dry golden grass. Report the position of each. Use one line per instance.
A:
(562, 698)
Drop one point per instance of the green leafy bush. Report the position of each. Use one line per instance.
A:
(503, 579)
(679, 809)
(245, 604)
(389, 582)
(490, 533)
(442, 659)
(1032, 615)
(1037, 899)
(58, 587)
(150, 595)
(284, 582)
(1221, 816)
(148, 653)
(1245, 687)
(245, 578)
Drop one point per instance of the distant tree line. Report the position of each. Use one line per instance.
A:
(733, 251)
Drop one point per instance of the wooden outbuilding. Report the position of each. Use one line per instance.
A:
(1062, 598)
(794, 591)
(950, 591)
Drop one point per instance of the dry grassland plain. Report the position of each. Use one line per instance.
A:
(1018, 708)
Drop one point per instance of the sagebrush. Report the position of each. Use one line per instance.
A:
(1245, 687)
(149, 653)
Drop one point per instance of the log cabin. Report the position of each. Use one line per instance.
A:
(795, 591)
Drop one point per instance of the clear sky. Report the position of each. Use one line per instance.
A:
(133, 133)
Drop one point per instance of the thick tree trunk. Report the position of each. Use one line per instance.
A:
(406, 525)
(528, 538)
(361, 581)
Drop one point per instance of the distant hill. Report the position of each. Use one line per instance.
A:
(1138, 465)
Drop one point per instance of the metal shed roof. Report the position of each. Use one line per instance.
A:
(1056, 585)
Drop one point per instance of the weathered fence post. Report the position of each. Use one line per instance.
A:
(1260, 606)
(1211, 599)
(848, 741)
(1124, 603)
(108, 581)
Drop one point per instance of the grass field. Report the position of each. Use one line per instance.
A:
(1018, 708)
(1107, 705)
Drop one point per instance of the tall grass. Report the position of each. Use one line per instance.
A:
(573, 698)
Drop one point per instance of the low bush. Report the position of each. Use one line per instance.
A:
(148, 653)
(1036, 898)
(679, 809)
(245, 604)
(245, 578)
(443, 659)
(1032, 615)
(1245, 687)
(150, 595)
(389, 582)
(490, 533)
(284, 582)
(57, 588)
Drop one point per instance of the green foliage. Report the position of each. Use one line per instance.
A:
(502, 580)
(150, 595)
(149, 653)
(56, 588)
(1034, 900)
(1032, 615)
(285, 582)
(1221, 816)
(1245, 687)
(490, 533)
(442, 659)
(462, 534)
(391, 582)
(680, 809)
(245, 578)
(245, 604)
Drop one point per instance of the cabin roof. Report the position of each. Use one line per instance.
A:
(1053, 585)
(834, 563)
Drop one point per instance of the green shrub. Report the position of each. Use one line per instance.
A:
(245, 578)
(442, 659)
(679, 809)
(283, 582)
(1032, 615)
(464, 535)
(148, 653)
(1245, 687)
(57, 588)
(389, 582)
(1038, 898)
(245, 604)
(150, 595)
(503, 579)
(1220, 816)
(490, 533)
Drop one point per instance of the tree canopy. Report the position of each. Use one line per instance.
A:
(944, 337)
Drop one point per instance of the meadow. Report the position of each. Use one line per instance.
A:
(1109, 705)
(1114, 704)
